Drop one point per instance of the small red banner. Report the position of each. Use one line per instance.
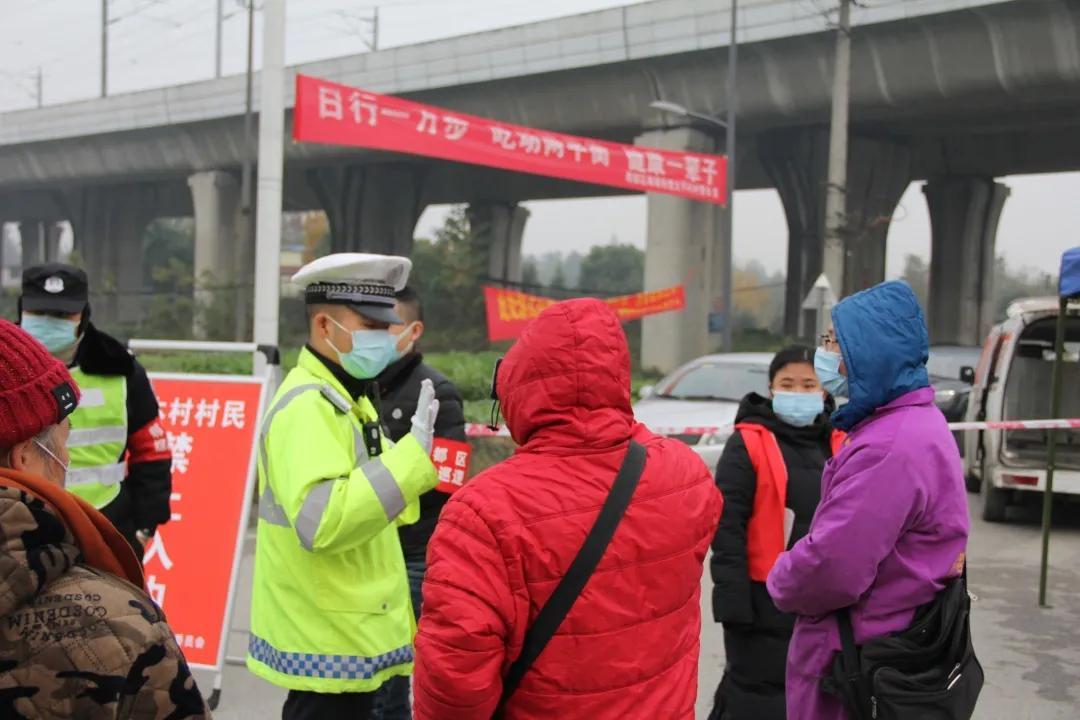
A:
(509, 311)
(451, 459)
(335, 114)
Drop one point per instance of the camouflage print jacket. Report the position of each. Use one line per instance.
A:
(76, 642)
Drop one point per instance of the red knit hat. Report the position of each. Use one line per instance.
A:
(36, 389)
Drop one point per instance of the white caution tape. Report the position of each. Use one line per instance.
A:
(1064, 424)
(477, 430)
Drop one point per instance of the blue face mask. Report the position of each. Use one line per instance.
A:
(372, 351)
(55, 334)
(827, 367)
(796, 408)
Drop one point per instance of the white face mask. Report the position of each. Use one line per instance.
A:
(64, 466)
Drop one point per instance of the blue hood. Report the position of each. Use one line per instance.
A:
(1069, 283)
(883, 339)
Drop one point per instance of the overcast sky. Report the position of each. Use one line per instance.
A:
(163, 42)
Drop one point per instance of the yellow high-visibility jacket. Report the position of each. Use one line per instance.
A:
(330, 608)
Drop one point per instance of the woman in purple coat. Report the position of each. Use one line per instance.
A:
(892, 526)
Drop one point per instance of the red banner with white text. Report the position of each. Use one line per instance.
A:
(334, 114)
(509, 311)
(191, 563)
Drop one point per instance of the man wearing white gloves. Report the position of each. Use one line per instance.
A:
(331, 617)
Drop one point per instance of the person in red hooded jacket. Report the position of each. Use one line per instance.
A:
(628, 647)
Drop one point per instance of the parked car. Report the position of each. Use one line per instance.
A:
(705, 393)
(1012, 382)
(952, 370)
(702, 395)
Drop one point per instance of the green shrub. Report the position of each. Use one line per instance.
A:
(478, 411)
(470, 372)
(203, 363)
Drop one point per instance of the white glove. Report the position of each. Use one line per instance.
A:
(423, 422)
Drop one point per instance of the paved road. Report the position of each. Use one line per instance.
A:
(1031, 656)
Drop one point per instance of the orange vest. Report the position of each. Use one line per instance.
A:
(765, 531)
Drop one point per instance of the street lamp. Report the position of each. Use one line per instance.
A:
(729, 150)
(677, 109)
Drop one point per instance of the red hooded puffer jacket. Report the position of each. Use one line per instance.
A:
(629, 647)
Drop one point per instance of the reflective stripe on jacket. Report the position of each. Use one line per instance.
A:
(765, 537)
(330, 601)
(98, 439)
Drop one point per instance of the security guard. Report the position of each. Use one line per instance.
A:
(331, 618)
(120, 460)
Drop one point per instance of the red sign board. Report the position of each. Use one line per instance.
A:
(451, 459)
(211, 423)
(509, 311)
(336, 114)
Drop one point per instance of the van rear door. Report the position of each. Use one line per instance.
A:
(985, 376)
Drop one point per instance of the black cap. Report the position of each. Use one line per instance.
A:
(54, 287)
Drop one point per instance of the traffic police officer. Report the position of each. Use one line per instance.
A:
(331, 618)
(120, 460)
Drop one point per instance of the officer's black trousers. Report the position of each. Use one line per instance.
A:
(327, 706)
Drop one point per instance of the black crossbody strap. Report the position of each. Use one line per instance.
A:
(847, 644)
(581, 569)
(852, 667)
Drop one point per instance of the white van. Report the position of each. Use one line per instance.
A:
(1012, 382)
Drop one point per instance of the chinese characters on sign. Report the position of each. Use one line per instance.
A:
(340, 115)
(509, 311)
(209, 428)
(451, 460)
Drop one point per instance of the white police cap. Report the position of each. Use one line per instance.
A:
(365, 282)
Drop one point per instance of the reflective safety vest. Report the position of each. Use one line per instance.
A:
(330, 607)
(99, 435)
(765, 537)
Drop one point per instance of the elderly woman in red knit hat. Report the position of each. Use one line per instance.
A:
(78, 636)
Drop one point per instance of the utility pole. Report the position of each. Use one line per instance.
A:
(728, 272)
(247, 224)
(271, 159)
(40, 88)
(104, 47)
(220, 22)
(836, 193)
(375, 30)
(372, 44)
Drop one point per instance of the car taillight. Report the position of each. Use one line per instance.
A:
(1028, 480)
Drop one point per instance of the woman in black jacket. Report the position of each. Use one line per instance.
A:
(755, 528)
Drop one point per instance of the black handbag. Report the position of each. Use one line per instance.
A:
(577, 575)
(927, 672)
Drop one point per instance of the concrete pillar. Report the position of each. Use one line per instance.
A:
(683, 246)
(32, 235)
(221, 273)
(6, 258)
(499, 227)
(964, 214)
(41, 241)
(108, 222)
(879, 170)
(796, 162)
(54, 234)
(370, 208)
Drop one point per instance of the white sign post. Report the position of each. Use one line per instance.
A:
(821, 299)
